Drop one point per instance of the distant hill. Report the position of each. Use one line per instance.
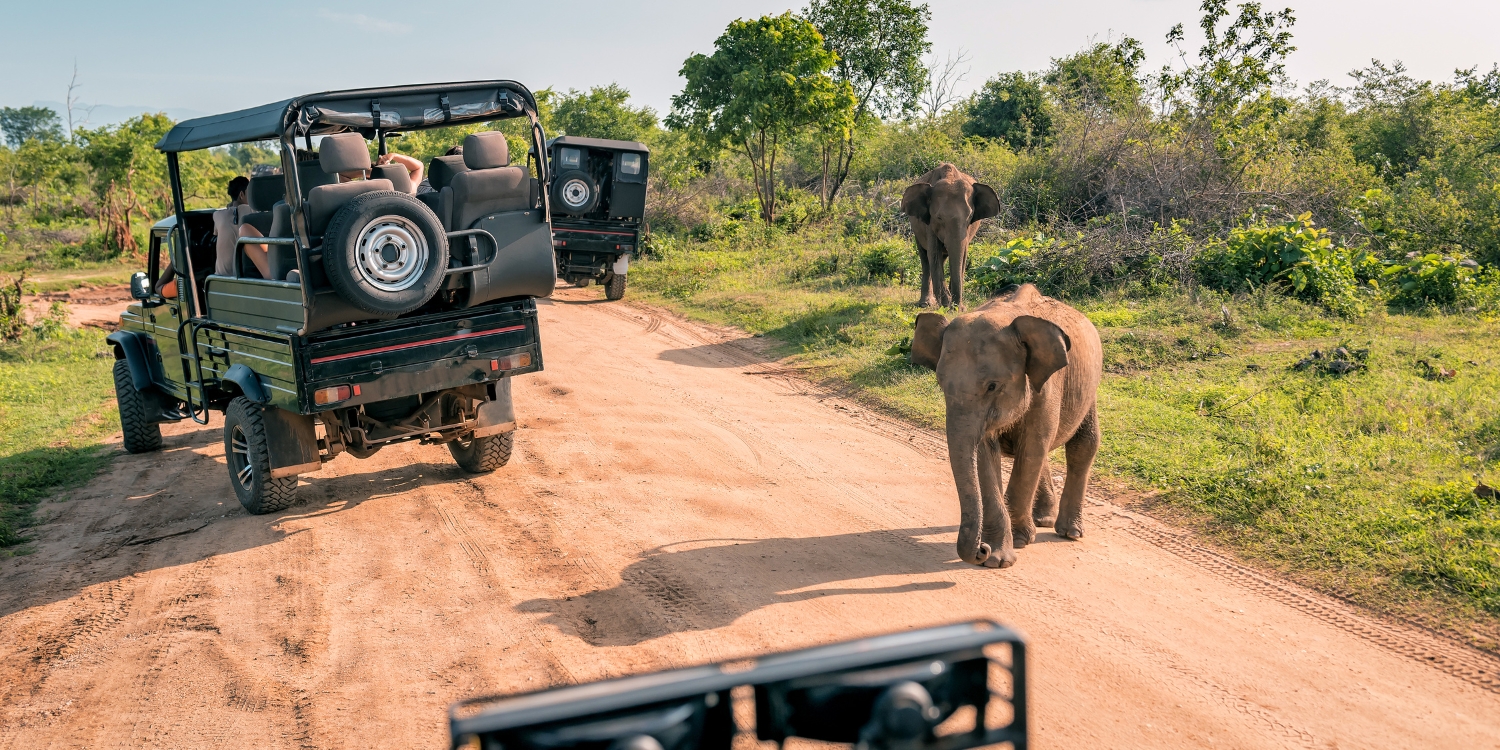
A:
(109, 114)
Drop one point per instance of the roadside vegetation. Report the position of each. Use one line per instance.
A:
(1298, 285)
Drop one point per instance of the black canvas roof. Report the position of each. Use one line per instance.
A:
(397, 107)
(573, 140)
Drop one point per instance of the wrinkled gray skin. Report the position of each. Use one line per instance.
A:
(946, 206)
(1020, 376)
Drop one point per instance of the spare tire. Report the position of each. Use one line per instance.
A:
(575, 193)
(385, 252)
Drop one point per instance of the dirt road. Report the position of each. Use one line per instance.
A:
(675, 498)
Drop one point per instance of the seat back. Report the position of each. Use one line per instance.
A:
(398, 176)
(310, 174)
(264, 191)
(490, 185)
(344, 152)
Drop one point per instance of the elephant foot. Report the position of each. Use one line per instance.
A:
(1069, 529)
(927, 302)
(1044, 522)
(1023, 537)
(1002, 560)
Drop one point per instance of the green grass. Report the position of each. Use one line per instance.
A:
(55, 411)
(1359, 484)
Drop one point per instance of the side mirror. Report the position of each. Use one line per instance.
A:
(140, 286)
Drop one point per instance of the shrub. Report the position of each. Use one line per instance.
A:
(1296, 255)
(1431, 279)
(891, 259)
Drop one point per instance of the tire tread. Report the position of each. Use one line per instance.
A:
(139, 434)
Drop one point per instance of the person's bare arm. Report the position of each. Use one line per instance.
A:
(257, 253)
(413, 166)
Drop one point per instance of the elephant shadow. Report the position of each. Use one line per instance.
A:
(707, 584)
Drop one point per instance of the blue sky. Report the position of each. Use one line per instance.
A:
(195, 57)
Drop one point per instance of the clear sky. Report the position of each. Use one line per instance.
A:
(176, 55)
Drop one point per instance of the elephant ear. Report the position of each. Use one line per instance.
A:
(986, 202)
(1046, 345)
(927, 340)
(915, 202)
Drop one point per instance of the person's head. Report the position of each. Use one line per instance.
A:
(237, 187)
(455, 151)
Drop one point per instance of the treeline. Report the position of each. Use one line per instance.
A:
(1101, 159)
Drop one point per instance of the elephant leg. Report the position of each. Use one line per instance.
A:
(1081, 450)
(995, 527)
(956, 267)
(928, 299)
(1031, 454)
(1044, 510)
(937, 278)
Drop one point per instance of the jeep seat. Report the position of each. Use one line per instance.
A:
(345, 152)
(398, 176)
(490, 185)
(440, 172)
(264, 192)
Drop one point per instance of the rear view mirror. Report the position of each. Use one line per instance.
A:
(945, 688)
(140, 286)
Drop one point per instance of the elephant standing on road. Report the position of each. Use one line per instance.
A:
(946, 206)
(1020, 377)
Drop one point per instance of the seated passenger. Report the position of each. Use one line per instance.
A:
(413, 168)
(225, 221)
(425, 185)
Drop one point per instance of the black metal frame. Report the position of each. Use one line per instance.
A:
(511, 721)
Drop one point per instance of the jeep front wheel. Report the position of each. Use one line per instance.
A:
(141, 436)
(250, 461)
(482, 455)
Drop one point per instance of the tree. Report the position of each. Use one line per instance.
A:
(127, 165)
(1010, 108)
(602, 112)
(766, 81)
(879, 44)
(943, 79)
(1101, 76)
(22, 124)
(1242, 61)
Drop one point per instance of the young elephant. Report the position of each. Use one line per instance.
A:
(1020, 376)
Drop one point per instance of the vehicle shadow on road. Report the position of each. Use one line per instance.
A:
(708, 584)
(724, 355)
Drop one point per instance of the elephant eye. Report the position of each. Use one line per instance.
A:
(991, 387)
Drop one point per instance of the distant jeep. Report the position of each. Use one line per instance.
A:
(598, 191)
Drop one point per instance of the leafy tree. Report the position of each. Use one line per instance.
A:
(1237, 63)
(1010, 108)
(22, 124)
(1101, 76)
(129, 175)
(766, 82)
(880, 44)
(602, 112)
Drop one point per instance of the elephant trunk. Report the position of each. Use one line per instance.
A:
(964, 433)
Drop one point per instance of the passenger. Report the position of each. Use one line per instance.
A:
(425, 186)
(225, 221)
(413, 167)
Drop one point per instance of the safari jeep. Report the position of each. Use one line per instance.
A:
(598, 194)
(375, 315)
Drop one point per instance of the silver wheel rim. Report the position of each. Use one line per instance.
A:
(390, 254)
(239, 460)
(575, 192)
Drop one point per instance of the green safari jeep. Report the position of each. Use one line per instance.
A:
(354, 309)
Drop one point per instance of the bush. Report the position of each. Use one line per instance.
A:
(1295, 255)
(1431, 279)
(890, 260)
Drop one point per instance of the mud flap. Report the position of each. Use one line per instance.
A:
(498, 416)
(291, 442)
(622, 264)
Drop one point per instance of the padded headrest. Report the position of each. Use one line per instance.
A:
(441, 169)
(345, 152)
(486, 150)
(265, 190)
(397, 174)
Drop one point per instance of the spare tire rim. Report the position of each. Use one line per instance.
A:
(575, 192)
(239, 459)
(390, 254)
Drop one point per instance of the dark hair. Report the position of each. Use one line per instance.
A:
(237, 186)
(455, 151)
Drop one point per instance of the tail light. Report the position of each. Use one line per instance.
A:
(332, 394)
(511, 362)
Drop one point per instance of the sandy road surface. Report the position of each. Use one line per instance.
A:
(675, 498)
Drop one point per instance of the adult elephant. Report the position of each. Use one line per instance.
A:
(1020, 376)
(946, 206)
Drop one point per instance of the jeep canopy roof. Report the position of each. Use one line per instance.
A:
(391, 109)
(605, 143)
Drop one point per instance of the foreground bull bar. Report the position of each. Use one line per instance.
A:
(933, 689)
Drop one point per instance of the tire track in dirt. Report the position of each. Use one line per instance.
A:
(1406, 639)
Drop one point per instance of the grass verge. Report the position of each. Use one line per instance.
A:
(55, 398)
(1359, 483)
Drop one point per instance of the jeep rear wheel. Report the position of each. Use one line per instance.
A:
(141, 436)
(250, 461)
(481, 455)
(385, 253)
(614, 287)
